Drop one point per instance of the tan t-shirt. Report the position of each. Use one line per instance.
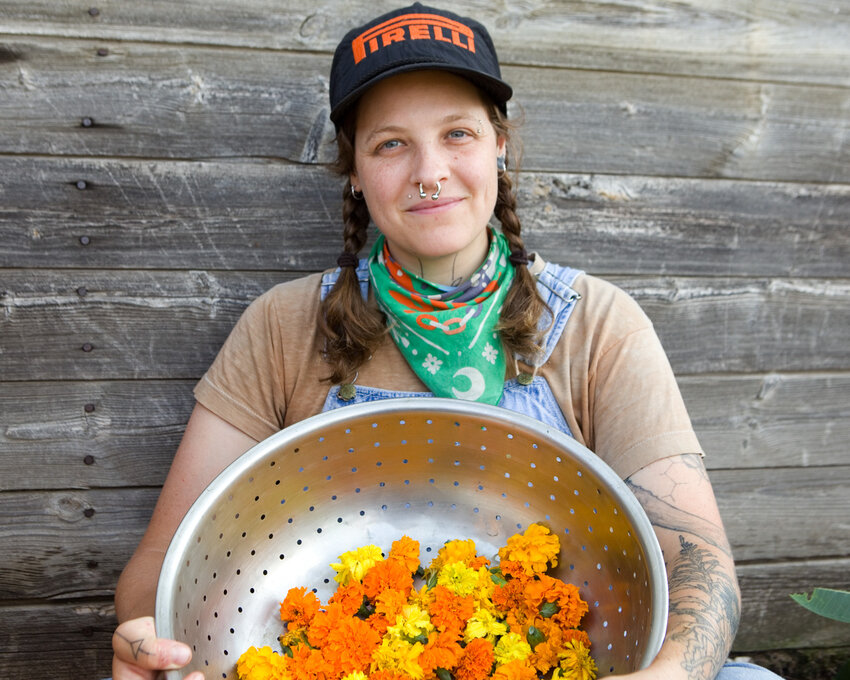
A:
(608, 372)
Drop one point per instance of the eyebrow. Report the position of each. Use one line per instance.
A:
(451, 118)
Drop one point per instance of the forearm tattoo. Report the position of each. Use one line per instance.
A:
(704, 606)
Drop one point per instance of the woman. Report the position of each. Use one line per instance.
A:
(446, 305)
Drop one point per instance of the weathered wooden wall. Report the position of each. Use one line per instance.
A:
(162, 163)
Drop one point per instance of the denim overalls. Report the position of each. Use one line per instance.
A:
(536, 399)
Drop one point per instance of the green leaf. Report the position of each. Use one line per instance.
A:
(443, 674)
(832, 604)
(497, 577)
(549, 609)
(534, 636)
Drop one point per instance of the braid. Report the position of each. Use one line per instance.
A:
(523, 305)
(350, 327)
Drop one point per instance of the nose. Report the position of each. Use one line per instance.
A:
(431, 168)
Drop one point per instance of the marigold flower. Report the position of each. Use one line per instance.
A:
(536, 549)
(476, 662)
(356, 675)
(355, 563)
(484, 624)
(323, 623)
(458, 578)
(450, 611)
(349, 647)
(261, 664)
(407, 551)
(454, 551)
(398, 656)
(511, 647)
(576, 663)
(349, 597)
(299, 607)
(515, 670)
(411, 622)
(387, 575)
(442, 651)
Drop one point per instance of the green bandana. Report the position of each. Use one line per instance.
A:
(448, 334)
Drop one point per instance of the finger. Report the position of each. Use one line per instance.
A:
(135, 644)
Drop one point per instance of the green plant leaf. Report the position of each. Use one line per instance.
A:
(832, 604)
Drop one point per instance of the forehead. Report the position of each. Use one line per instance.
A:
(416, 94)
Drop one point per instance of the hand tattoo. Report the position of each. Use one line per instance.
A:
(136, 647)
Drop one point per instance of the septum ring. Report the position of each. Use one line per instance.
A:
(434, 196)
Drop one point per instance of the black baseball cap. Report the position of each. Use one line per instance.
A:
(414, 38)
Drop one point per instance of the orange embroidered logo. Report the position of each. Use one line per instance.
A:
(412, 27)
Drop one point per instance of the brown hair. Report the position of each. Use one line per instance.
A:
(352, 329)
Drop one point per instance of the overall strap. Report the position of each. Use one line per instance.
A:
(330, 278)
(554, 284)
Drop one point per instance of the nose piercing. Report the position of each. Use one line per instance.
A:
(434, 196)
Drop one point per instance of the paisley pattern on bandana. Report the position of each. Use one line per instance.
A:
(448, 333)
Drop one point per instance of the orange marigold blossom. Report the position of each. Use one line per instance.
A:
(323, 623)
(406, 550)
(387, 575)
(515, 670)
(349, 597)
(449, 611)
(349, 647)
(442, 651)
(299, 607)
(535, 549)
(476, 662)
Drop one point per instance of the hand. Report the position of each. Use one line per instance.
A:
(140, 655)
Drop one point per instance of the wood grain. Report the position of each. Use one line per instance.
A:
(741, 40)
(261, 216)
(116, 433)
(183, 102)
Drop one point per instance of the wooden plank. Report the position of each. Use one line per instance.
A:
(248, 215)
(82, 435)
(785, 513)
(770, 619)
(66, 641)
(156, 101)
(792, 420)
(71, 544)
(726, 39)
(171, 324)
(94, 434)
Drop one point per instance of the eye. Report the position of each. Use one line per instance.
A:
(458, 134)
(389, 144)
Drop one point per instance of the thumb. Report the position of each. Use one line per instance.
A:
(135, 644)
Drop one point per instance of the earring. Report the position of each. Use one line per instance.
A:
(501, 165)
(356, 195)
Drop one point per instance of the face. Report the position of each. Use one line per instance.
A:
(428, 127)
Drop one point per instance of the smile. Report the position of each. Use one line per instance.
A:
(434, 207)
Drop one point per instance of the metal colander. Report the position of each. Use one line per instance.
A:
(432, 469)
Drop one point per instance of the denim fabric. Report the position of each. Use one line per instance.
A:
(535, 400)
(735, 670)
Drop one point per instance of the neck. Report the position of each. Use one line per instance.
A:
(446, 270)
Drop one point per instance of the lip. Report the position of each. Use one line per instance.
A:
(429, 207)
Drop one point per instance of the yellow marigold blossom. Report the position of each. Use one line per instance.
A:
(261, 664)
(535, 549)
(398, 656)
(355, 563)
(356, 675)
(458, 578)
(511, 647)
(412, 622)
(576, 663)
(484, 624)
